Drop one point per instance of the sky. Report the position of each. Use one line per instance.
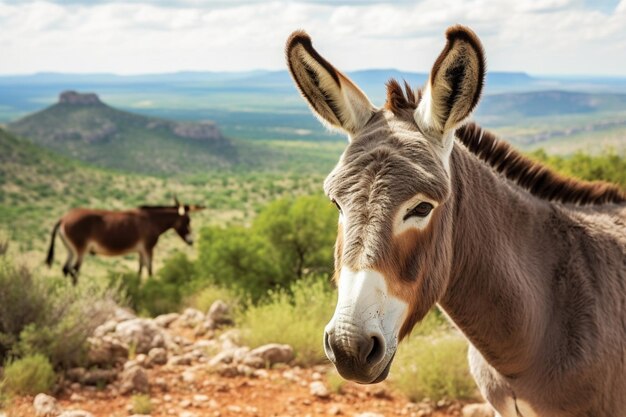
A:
(541, 37)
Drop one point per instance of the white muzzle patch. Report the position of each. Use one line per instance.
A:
(366, 309)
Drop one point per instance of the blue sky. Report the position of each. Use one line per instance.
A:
(565, 37)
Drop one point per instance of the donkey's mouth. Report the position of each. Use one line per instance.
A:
(353, 372)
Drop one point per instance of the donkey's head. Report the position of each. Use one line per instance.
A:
(182, 225)
(391, 186)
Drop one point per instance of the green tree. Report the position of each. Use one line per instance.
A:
(302, 232)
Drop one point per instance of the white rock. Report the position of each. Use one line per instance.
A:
(274, 353)
(191, 317)
(369, 414)
(478, 410)
(166, 320)
(134, 380)
(188, 376)
(187, 414)
(318, 389)
(157, 356)
(46, 406)
(106, 328)
(219, 313)
(144, 334)
(200, 398)
(76, 413)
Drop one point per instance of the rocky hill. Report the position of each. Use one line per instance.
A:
(83, 127)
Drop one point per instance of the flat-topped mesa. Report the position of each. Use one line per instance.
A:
(74, 97)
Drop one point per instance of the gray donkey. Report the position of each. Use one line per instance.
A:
(529, 265)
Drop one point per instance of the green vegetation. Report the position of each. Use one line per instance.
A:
(29, 375)
(289, 239)
(141, 404)
(433, 366)
(204, 298)
(48, 316)
(296, 317)
(608, 166)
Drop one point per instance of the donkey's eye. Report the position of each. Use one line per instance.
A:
(336, 205)
(423, 209)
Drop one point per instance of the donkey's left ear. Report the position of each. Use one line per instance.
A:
(454, 86)
(333, 97)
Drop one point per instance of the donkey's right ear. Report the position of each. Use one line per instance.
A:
(333, 97)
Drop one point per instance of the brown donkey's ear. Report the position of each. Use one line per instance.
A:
(336, 100)
(454, 85)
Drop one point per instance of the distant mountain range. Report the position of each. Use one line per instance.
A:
(81, 126)
(266, 105)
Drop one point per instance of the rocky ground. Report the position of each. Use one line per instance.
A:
(183, 365)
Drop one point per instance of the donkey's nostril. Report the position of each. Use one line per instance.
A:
(377, 351)
(328, 348)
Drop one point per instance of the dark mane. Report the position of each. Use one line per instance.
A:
(146, 207)
(535, 177)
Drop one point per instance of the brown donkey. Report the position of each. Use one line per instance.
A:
(529, 265)
(114, 233)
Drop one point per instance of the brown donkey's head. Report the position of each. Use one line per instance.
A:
(182, 225)
(391, 185)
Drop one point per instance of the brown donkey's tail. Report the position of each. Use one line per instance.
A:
(50, 257)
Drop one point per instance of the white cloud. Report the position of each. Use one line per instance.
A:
(538, 36)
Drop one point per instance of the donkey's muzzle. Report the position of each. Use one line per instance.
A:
(358, 358)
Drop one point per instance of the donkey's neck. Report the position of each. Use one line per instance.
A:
(503, 252)
(163, 220)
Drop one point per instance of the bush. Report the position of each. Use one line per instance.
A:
(141, 404)
(204, 298)
(28, 376)
(49, 316)
(159, 294)
(296, 317)
(238, 259)
(433, 366)
(290, 239)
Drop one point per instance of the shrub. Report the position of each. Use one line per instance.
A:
(296, 317)
(141, 404)
(204, 298)
(433, 366)
(238, 259)
(71, 315)
(290, 239)
(28, 376)
(48, 315)
(159, 294)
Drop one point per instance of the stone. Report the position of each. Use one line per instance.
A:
(191, 317)
(318, 389)
(157, 356)
(188, 376)
(46, 406)
(369, 414)
(76, 413)
(200, 398)
(106, 350)
(219, 314)
(166, 320)
(274, 353)
(179, 360)
(76, 397)
(334, 410)
(143, 334)
(75, 374)
(224, 357)
(478, 410)
(134, 380)
(104, 329)
(100, 376)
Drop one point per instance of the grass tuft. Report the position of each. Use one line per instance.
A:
(29, 375)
